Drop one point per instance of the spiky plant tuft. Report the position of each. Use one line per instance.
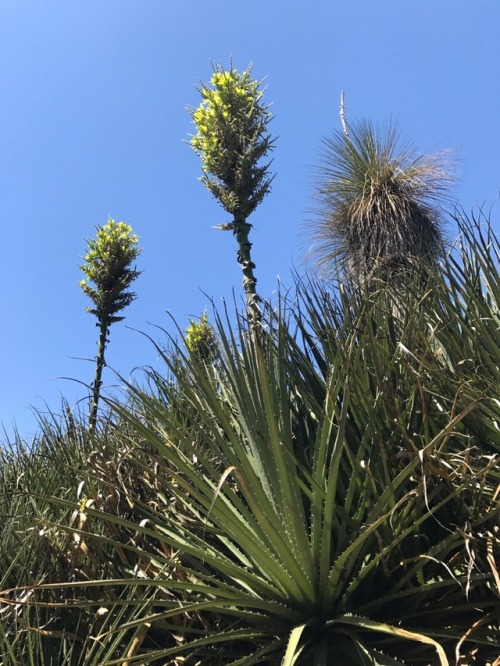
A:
(378, 202)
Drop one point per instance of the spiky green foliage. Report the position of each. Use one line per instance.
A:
(326, 493)
(32, 550)
(378, 204)
(232, 139)
(108, 265)
(44, 491)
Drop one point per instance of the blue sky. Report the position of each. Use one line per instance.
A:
(92, 120)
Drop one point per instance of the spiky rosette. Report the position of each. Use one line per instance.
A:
(379, 204)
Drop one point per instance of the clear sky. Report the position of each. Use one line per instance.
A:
(92, 121)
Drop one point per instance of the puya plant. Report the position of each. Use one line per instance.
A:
(355, 519)
(379, 204)
(322, 519)
(108, 265)
(232, 140)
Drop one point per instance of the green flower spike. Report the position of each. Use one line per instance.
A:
(108, 266)
(232, 139)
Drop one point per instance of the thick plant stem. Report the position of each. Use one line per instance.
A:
(100, 363)
(241, 230)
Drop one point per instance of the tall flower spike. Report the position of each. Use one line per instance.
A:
(108, 266)
(232, 139)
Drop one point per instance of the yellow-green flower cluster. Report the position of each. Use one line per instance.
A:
(225, 119)
(113, 239)
(108, 266)
(200, 338)
(232, 139)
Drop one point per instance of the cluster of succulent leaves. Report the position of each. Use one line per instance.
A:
(324, 493)
(232, 138)
(108, 266)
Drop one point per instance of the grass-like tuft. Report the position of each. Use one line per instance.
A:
(378, 204)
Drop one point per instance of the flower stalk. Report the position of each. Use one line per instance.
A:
(232, 139)
(108, 266)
